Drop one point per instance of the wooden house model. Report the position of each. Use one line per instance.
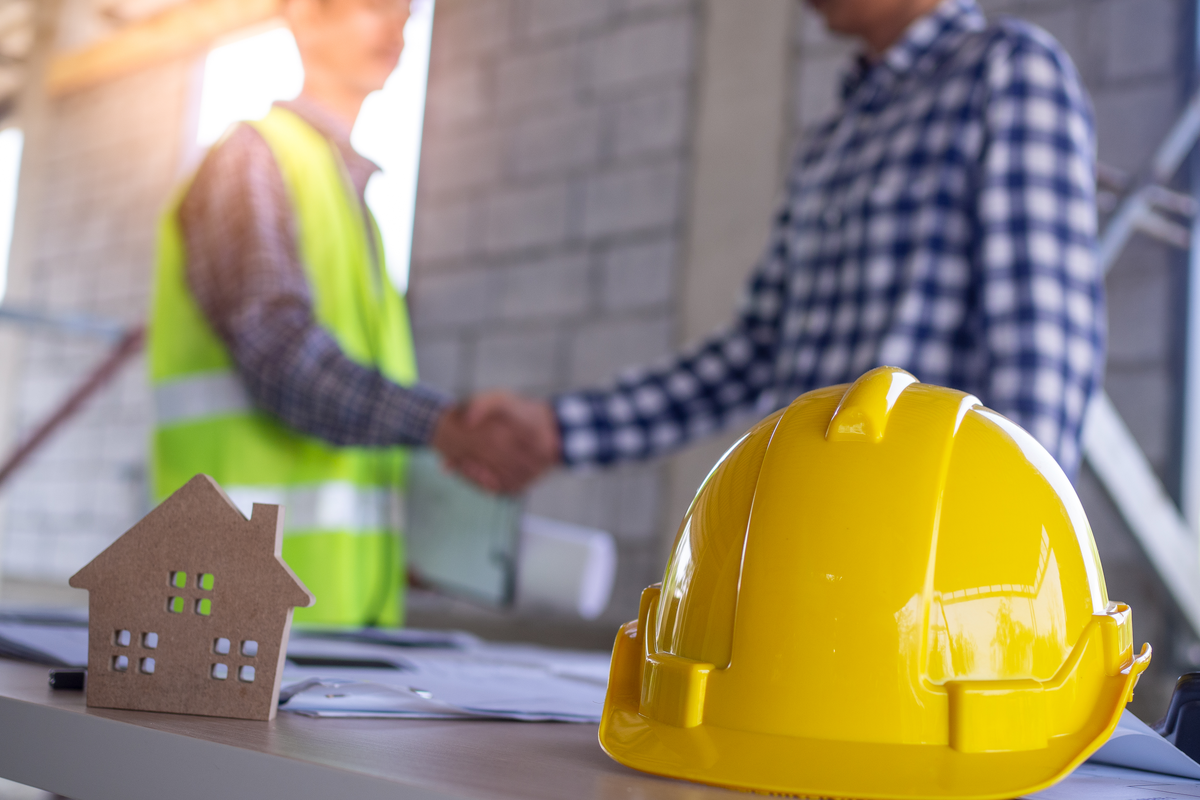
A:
(189, 611)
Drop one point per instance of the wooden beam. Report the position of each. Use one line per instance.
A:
(190, 27)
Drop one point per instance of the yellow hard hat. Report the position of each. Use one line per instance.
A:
(882, 591)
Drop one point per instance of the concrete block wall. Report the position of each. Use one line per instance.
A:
(549, 220)
(93, 185)
(1134, 57)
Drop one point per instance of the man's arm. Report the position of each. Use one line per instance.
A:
(653, 411)
(245, 273)
(1042, 293)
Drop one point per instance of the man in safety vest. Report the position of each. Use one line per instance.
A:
(280, 354)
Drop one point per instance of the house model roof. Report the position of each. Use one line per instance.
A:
(200, 520)
(189, 611)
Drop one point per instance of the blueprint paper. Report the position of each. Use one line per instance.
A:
(52, 645)
(1135, 745)
(1093, 781)
(493, 681)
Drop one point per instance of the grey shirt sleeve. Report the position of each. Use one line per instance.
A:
(244, 270)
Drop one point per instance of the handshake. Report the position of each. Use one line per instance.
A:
(498, 440)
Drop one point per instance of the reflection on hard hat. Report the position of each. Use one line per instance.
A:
(884, 590)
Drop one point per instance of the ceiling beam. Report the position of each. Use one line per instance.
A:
(181, 30)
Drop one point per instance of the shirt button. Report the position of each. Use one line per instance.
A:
(832, 217)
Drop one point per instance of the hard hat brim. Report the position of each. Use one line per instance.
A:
(764, 762)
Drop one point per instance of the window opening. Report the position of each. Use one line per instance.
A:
(12, 143)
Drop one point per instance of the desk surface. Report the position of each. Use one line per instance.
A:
(52, 741)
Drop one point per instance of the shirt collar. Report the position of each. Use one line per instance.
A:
(336, 131)
(927, 35)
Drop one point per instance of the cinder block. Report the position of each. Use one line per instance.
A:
(632, 199)
(639, 489)
(1144, 398)
(601, 350)
(551, 288)
(1067, 25)
(1131, 121)
(445, 299)
(448, 229)
(460, 162)
(640, 6)
(1141, 37)
(639, 564)
(69, 554)
(522, 359)
(23, 547)
(439, 361)
(467, 29)
(556, 142)
(1140, 302)
(652, 122)
(638, 274)
(526, 217)
(813, 36)
(541, 77)
(648, 51)
(455, 97)
(548, 18)
(818, 88)
(622, 500)
(584, 498)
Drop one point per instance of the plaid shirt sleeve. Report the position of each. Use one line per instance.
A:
(1042, 293)
(245, 273)
(648, 413)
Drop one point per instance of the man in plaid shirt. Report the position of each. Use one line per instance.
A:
(942, 221)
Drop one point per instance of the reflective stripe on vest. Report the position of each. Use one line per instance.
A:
(197, 397)
(335, 506)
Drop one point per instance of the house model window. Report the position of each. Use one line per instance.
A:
(165, 635)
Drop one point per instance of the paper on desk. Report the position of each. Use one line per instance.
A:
(1134, 764)
(55, 645)
(485, 681)
(1093, 781)
(1135, 745)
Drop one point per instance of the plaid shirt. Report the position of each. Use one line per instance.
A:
(243, 267)
(943, 221)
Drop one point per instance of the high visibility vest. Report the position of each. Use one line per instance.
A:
(343, 505)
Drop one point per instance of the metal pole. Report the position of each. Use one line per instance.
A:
(1189, 479)
(129, 345)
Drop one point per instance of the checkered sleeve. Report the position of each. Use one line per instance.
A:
(1041, 289)
(652, 411)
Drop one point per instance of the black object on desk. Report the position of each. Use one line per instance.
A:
(1181, 725)
(68, 678)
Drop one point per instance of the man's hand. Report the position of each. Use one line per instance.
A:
(499, 440)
